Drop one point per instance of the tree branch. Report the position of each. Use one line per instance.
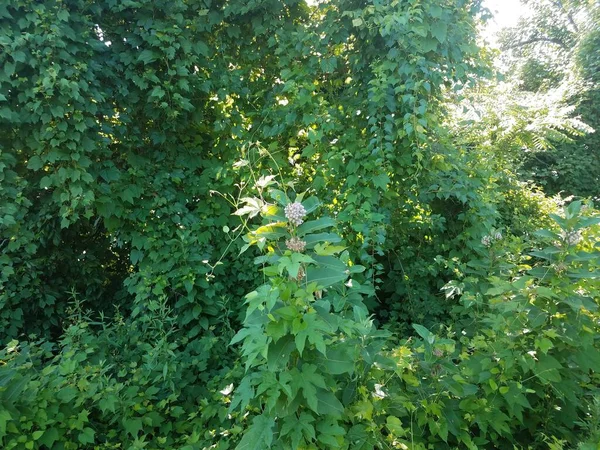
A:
(538, 39)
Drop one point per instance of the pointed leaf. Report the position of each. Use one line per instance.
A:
(315, 225)
(259, 436)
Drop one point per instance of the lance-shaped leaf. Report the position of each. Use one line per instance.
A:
(315, 225)
(312, 239)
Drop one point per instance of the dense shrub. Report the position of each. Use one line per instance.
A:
(517, 367)
(130, 384)
(413, 305)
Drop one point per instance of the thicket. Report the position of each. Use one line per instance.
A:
(552, 59)
(266, 224)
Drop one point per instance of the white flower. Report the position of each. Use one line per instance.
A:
(497, 236)
(228, 390)
(571, 237)
(379, 392)
(295, 213)
(486, 241)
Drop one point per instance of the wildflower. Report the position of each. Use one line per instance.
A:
(571, 237)
(295, 213)
(379, 392)
(488, 240)
(560, 267)
(295, 244)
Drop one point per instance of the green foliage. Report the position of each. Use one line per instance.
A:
(117, 118)
(307, 341)
(120, 119)
(520, 361)
(134, 384)
(136, 134)
(555, 48)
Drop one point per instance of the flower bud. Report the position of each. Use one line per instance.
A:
(295, 244)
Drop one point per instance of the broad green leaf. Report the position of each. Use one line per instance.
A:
(14, 389)
(315, 225)
(4, 418)
(328, 404)
(273, 230)
(577, 303)
(259, 436)
(547, 369)
(439, 31)
(245, 392)
(63, 15)
(328, 65)
(35, 163)
(37, 434)
(107, 403)
(287, 312)
(328, 271)
(273, 212)
(308, 381)
(291, 264)
(381, 181)
(330, 433)
(435, 11)
(337, 362)
(361, 438)
(546, 234)
(573, 209)
(299, 428)
(587, 222)
(588, 359)
(312, 239)
(311, 204)
(328, 250)
(584, 274)
(279, 196)
(240, 335)
(279, 353)
(133, 426)
(395, 426)
(51, 435)
(86, 436)
(543, 254)
(147, 56)
(300, 340)
(428, 45)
